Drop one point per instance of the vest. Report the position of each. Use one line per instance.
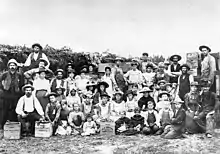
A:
(151, 118)
(174, 79)
(52, 112)
(184, 86)
(34, 63)
(54, 85)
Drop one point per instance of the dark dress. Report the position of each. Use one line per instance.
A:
(184, 86)
(144, 100)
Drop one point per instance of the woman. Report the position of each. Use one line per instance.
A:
(101, 89)
(92, 73)
(42, 88)
(161, 74)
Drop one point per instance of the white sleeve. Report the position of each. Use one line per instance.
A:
(45, 57)
(38, 106)
(28, 61)
(19, 107)
(191, 79)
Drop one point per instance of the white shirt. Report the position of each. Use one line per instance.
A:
(28, 104)
(134, 76)
(41, 84)
(35, 55)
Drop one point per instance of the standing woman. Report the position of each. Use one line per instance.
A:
(42, 88)
(109, 78)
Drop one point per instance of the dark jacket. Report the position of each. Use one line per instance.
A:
(178, 120)
(144, 100)
(120, 122)
(136, 120)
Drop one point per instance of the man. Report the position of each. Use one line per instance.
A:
(11, 83)
(59, 81)
(184, 81)
(29, 110)
(174, 68)
(145, 61)
(208, 65)
(209, 104)
(33, 58)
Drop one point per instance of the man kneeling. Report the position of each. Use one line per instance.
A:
(29, 110)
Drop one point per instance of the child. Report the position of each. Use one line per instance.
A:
(52, 112)
(175, 130)
(60, 94)
(163, 97)
(131, 104)
(136, 123)
(165, 116)
(73, 98)
(142, 103)
(122, 124)
(103, 109)
(87, 107)
(75, 120)
(89, 127)
(152, 120)
(117, 105)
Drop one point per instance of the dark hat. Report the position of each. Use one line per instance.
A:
(60, 70)
(177, 56)
(103, 83)
(118, 92)
(43, 60)
(205, 83)
(150, 65)
(27, 86)
(105, 95)
(185, 65)
(145, 89)
(52, 94)
(204, 46)
(108, 67)
(37, 45)
(164, 92)
(194, 83)
(145, 54)
(161, 81)
(40, 70)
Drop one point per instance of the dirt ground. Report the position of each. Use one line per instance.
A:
(111, 145)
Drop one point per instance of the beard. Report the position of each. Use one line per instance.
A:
(28, 94)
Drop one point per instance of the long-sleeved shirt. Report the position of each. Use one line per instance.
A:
(208, 68)
(134, 76)
(28, 104)
(41, 84)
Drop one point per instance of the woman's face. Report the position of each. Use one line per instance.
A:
(90, 68)
(130, 96)
(150, 105)
(146, 94)
(52, 99)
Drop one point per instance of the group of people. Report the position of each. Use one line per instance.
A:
(149, 99)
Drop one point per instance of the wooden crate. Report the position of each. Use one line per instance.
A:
(12, 130)
(107, 128)
(43, 129)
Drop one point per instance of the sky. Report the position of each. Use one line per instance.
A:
(123, 27)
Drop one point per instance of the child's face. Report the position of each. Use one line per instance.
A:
(146, 94)
(42, 75)
(193, 88)
(76, 107)
(164, 97)
(166, 105)
(83, 75)
(130, 96)
(102, 87)
(63, 105)
(150, 105)
(52, 99)
(59, 91)
(73, 92)
(104, 100)
(118, 97)
(135, 88)
(89, 119)
(168, 88)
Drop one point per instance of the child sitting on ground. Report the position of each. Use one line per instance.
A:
(60, 94)
(131, 104)
(89, 127)
(73, 98)
(175, 130)
(152, 120)
(163, 97)
(52, 112)
(87, 106)
(75, 120)
(122, 124)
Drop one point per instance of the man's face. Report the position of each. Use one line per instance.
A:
(52, 99)
(12, 66)
(134, 66)
(28, 92)
(41, 64)
(104, 100)
(164, 97)
(175, 59)
(205, 51)
(184, 70)
(118, 62)
(193, 88)
(149, 70)
(36, 49)
(108, 71)
(59, 75)
(205, 89)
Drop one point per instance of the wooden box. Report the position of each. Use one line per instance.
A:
(12, 130)
(43, 129)
(107, 128)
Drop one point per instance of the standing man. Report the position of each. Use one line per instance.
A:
(184, 81)
(33, 59)
(11, 83)
(208, 65)
(59, 81)
(174, 68)
(29, 109)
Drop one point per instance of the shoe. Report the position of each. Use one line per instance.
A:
(209, 135)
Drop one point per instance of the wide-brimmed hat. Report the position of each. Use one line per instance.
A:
(195, 83)
(185, 65)
(90, 84)
(59, 70)
(161, 81)
(204, 46)
(60, 87)
(119, 59)
(145, 89)
(173, 56)
(43, 60)
(104, 95)
(37, 45)
(103, 83)
(164, 92)
(27, 86)
(150, 65)
(12, 61)
(52, 94)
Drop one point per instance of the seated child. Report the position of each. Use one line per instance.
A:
(122, 124)
(75, 120)
(131, 104)
(165, 116)
(89, 127)
(87, 106)
(175, 130)
(152, 120)
(60, 94)
(163, 97)
(136, 123)
(103, 109)
(73, 98)
(117, 105)
(52, 112)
